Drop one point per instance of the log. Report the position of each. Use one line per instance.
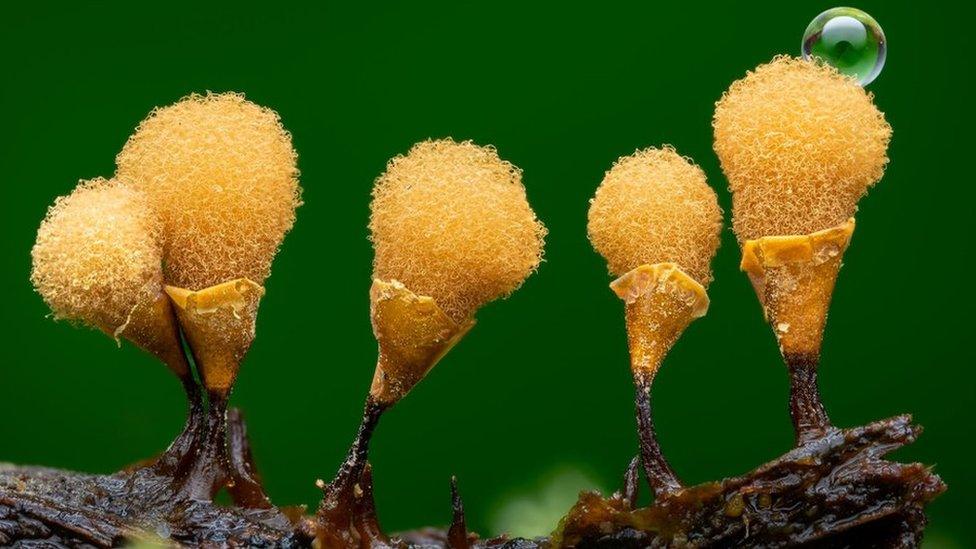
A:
(832, 491)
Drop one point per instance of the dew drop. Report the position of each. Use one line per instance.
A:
(848, 39)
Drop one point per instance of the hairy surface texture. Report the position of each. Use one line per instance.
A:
(97, 255)
(800, 144)
(221, 173)
(654, 206)
(451, 221)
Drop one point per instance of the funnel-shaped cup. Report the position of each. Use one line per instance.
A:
(413, 334)
(218, 323)
(661, 301)
(794, 279)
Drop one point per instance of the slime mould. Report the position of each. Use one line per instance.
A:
(171, 254)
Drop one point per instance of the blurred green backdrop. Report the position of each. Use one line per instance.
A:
(537, 400)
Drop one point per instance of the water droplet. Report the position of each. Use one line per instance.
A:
(848, 39)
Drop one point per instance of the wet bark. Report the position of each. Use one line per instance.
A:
(833, 490)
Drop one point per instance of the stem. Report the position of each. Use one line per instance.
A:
(806, 409)
(659, 473)
(208, 472)
(341, 507)
(179, 455)
(352, 467)
(364, 515)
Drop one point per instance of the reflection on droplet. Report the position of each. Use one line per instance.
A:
(848, 39)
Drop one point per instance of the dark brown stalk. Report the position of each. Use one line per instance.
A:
(810, 420)
(365, 520)
(208, 472)
(352, 468)
(178, 457)
(335, 523)
(660, 476)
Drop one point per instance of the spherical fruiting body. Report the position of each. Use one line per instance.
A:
(97, 255)
(450, 220)
(221, 174)
(800, 144)
(655, 206)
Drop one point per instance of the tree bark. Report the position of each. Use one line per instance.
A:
(832, 490)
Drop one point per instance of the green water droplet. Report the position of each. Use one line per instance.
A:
(848, 39)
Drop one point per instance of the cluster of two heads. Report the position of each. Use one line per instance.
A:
(176, 247)
(204, 192)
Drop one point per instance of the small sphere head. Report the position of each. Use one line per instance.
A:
(655, 206)
(97, 255)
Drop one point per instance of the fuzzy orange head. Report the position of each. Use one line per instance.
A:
(221, 174)
(97, 255)
(655, 206)
(800, 144)
(451, 221)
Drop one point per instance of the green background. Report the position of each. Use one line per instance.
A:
(537, 400)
